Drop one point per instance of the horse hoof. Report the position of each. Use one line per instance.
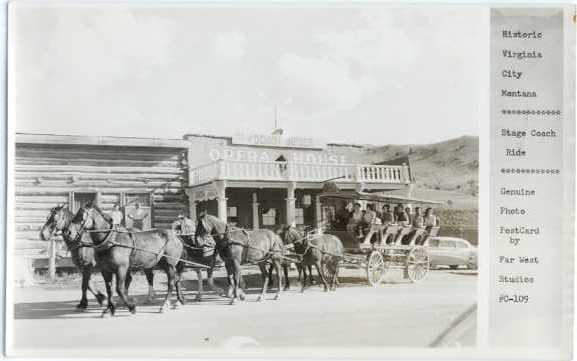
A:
(276, 297)
(260, 299)
(176, 306)
(232, 301)
(148, 300)
(132, 309)
(100, 298)
(81, 306)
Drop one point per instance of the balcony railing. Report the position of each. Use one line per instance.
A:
(298, 172)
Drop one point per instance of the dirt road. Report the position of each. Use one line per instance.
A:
(394, 314)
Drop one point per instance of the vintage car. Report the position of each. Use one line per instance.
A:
(452, 252)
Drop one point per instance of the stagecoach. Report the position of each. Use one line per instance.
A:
(394, 246)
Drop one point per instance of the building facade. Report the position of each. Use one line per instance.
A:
(252, 181)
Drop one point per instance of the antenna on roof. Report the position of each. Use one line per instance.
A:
(277, 130)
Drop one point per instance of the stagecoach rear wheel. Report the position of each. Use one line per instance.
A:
(417, 264)
(376, 268)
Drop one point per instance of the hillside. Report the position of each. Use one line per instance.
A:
(439, 169)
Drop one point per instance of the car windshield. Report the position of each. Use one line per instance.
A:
(447, 243)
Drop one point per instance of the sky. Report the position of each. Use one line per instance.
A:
(372, 75)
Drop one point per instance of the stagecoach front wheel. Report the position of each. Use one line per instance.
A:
(417, 264)
(376, 268)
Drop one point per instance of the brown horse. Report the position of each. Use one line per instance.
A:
(237, 247)
(82, 257)
(119, 252)
(324, 251)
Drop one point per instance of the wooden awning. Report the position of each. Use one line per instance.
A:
(375, 197)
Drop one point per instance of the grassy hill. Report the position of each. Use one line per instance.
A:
(447, 171)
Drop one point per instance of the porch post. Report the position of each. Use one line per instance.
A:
(318, 213)
(290, 203)
(221, 199)
(255, 218)
(191, 203)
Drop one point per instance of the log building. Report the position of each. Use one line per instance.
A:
(250, 181)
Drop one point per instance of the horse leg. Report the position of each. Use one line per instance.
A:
(149, 273)
(199, 283)
(121, 274)
(235, 268)
(87, 272)
(85, 278)
(210, 281)
(170, 273)
(277, 267)
(108, 284)
(127, 282)
(304, 278)
(322, 275)
(285, 269)
(311, 278)
(265, 277)
(177, 279)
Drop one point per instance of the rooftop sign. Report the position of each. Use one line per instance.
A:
(273, 140)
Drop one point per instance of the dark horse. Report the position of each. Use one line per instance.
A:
(82, 257)
(324, 251)
(237, 247)
(200, 255)
(118, 252)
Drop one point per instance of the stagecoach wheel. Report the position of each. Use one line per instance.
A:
(376, 268)
(417, 264)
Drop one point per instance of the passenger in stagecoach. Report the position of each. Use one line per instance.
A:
(184, 227)
(355, 219)
(418, 221)
(388, 215)
(409, 214)
(342, 216)
(116, 216)
(373, 222)
(138, 217)
(402, 216)
(430, 219)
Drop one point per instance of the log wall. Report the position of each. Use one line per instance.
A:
(46, 174)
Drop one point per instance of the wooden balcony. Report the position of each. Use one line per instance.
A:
(298, 172)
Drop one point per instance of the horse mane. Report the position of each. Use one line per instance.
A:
(214, 224)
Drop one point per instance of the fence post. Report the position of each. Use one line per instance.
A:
(52, 259)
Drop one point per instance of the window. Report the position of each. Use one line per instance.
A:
(132, 198)
(433, 243)
(269, 218)
(231, 212)
(81, 199)
(448, 244)
(299, 216)
(462, 245)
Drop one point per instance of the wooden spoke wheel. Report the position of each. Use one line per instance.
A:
(417, 264)
(376, 268)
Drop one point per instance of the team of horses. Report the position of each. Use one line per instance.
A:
(94, 242)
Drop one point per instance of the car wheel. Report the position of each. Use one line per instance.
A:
(453, 266)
